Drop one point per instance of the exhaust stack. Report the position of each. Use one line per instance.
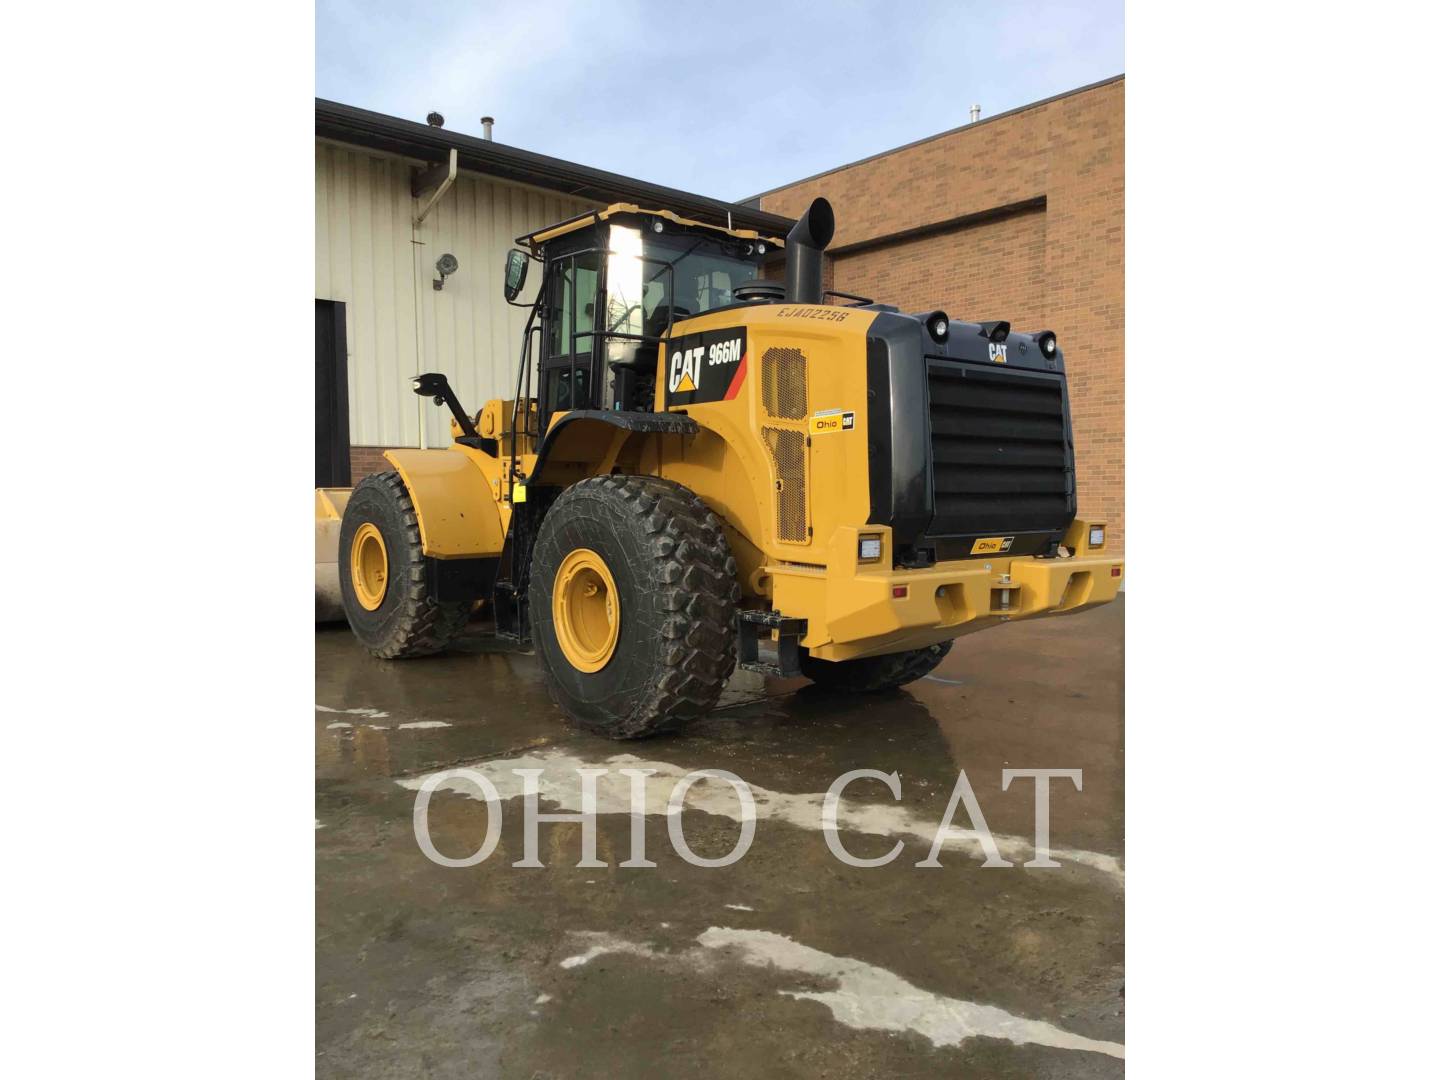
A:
(488, 123)
(803, 247)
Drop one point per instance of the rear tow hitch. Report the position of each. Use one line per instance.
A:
(781, 639)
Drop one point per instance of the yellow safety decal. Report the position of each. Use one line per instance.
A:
(991, 545)
(833, 420)
(518, 495)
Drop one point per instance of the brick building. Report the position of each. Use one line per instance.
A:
(1019, 217)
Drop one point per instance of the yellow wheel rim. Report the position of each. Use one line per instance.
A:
(586, 608)
(369, 566)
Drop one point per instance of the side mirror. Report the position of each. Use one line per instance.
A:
(517, 264)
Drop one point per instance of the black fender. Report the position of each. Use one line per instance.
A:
(587, 434)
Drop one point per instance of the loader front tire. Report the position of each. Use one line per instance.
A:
(632, 596)
(873, 674)
(382, 575)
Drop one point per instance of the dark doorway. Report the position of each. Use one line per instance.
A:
(332, 397)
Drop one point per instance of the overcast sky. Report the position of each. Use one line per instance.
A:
(720, 99)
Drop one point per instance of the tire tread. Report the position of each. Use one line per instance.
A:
(425, 626)
(698, 592)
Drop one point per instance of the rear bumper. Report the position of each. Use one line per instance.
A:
(855, 609)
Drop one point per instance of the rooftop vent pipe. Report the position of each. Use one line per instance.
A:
(435, 120)
(803, 247)
(974, 113)
(488, 123)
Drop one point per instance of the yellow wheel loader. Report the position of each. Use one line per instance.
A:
(702, 468)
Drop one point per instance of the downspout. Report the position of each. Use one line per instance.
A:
(442, 189)
(415, 246)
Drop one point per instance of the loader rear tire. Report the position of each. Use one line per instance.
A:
(632, 597)
(382, 575)
(872, 674)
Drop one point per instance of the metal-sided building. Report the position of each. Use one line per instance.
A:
(392, 197)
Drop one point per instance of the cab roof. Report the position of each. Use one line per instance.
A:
(595, 217)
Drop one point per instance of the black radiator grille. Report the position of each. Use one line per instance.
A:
(1002, 460)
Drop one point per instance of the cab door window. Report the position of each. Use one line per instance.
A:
(570, 333)
(572, 306)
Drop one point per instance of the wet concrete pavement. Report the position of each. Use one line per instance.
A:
(788, 963)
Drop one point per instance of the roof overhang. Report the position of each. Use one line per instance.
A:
(376, 131)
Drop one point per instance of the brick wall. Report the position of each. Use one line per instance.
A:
(1019, 217)
(365, 460)
(990, 270)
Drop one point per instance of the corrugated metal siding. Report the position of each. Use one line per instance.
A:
(364, 256)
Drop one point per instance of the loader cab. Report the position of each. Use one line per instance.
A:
(615, 283)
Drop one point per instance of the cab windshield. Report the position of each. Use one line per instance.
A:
(644, 296)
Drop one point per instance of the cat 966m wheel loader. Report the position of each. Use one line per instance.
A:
(700, 468)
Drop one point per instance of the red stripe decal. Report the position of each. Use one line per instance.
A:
(737, 379)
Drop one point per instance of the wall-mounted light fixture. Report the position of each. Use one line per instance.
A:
(446, 265)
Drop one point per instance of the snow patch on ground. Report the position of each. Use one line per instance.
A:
(378, 714)
(869, 997)
(864, 996)
(373, 714)
(606, 944)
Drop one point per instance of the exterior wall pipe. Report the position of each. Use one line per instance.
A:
(454, 171)
(416, 247)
